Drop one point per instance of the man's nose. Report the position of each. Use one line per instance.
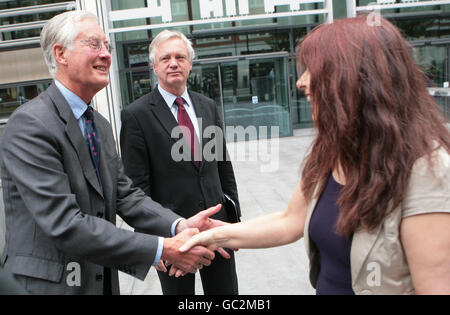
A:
(104, 50)
(173, 62)
(104, 53)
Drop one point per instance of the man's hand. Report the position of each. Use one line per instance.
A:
(207, 239)
(190, 261)
(203, 222)
(161, 266)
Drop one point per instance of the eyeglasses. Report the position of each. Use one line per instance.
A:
(96, 44)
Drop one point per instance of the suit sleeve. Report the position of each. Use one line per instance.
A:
(134, 153)
(33, 157)
(141, 211)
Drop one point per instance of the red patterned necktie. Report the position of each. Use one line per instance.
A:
(184, 120)
(93, 140)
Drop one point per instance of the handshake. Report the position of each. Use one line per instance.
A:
(192, 259)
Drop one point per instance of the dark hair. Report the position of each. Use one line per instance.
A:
(373, 114)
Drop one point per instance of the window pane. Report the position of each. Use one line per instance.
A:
(13, 97)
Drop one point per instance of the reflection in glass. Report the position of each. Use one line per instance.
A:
(301, 108)
(433, 60)
(255, 96)
(205, 80)
(13, 97)
(24, 18)
(24, 3)
(252, 94)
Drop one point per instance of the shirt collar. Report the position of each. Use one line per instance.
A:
(77, 105)
(170, 98)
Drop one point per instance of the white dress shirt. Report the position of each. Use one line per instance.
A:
(170, 100)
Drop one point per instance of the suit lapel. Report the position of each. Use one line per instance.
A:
(75, 136)
(204, 118)
(311, 207)
(362, 244)
(105, 167)
(165, 116)
(162, 112)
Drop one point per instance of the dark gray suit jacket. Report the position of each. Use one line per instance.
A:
(60, 225)
(147, 149)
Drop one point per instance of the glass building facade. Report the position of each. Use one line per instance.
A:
(246, 66)
(245, 51)
(23, 74)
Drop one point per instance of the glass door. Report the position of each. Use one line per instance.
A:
(252, 91)
(204, 79)
(433, 60)
(301, 108)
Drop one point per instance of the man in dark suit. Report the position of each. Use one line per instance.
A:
(173, 148)
(63, 182)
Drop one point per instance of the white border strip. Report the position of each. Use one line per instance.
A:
(218, 20)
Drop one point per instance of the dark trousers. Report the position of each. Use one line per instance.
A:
(219, 278)
(107, 290)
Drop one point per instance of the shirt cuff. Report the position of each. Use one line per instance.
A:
(174, 226)
(159, 251)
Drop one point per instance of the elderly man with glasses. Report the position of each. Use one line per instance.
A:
(64, 183)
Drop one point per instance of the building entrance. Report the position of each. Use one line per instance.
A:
(252, 92)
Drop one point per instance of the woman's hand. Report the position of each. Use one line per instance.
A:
(205, 238)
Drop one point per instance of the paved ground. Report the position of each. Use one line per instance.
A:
(265, 184)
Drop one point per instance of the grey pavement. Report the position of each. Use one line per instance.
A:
(266, 179)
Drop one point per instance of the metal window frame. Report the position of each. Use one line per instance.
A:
(24, 83)
(22, 26)
(206, 61)
(219, 20)
(130, 14)
(22, 42)
(248, 29)
(43, 8)
(353, 9)
(62, 6)
(220, 60)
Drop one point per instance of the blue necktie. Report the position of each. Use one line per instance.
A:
(93, 140)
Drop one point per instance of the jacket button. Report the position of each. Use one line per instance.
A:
(201, 204)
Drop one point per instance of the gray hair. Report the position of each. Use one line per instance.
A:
(166, 35)
(61, 30)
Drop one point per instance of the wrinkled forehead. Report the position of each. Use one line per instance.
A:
(173, 45)
(89, 28)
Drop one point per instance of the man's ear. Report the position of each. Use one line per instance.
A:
(60, 54)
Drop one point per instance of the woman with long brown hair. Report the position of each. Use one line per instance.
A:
(374, 200)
